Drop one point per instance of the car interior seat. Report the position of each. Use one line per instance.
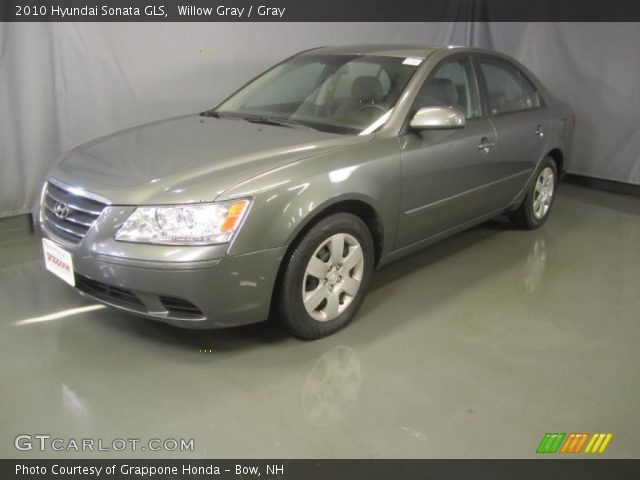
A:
(365, 90)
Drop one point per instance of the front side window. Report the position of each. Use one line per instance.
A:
(450, 85)
(508, 90)
(334, 93)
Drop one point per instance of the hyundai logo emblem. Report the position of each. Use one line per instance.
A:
(61, 210)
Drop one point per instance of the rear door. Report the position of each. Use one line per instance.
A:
(517, 112)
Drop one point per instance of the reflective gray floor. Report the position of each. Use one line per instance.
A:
(473, 348)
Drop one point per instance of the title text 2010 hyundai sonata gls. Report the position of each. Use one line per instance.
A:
(284, 198)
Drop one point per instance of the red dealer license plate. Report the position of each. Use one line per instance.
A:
(58, 261)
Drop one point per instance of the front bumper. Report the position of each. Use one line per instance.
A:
(192, 287)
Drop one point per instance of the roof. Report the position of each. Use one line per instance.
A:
(386, 50)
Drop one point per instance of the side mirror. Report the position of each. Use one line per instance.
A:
(438, 118)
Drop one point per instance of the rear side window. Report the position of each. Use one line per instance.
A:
(508, 90)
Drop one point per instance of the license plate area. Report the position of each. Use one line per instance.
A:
(58, 261)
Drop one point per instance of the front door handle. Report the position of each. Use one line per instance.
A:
(485, 145)
(540, 131)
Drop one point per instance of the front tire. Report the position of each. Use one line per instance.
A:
(325, 277)
(536, 206)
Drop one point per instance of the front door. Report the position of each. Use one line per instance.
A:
(446, 174)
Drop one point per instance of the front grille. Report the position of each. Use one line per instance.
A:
(108, 293)
(181, 308)
(79, 216)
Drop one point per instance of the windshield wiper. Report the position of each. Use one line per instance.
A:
(210, 113)
(276, 121)
(260, 119)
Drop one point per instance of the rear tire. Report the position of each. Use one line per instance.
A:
(325, 277)
(537, 204)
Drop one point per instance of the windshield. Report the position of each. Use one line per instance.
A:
(334, 93)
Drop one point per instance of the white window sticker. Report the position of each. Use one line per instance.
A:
(412, 61)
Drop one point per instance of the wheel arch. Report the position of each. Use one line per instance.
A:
(558, 157)
(357, 206)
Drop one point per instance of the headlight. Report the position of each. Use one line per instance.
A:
(199, 224)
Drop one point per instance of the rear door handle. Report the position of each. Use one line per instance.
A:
(540, 130)
(485, 144)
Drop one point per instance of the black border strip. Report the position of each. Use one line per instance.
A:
(342, 11)
(602, 184)
(16, 226)
(538, 469)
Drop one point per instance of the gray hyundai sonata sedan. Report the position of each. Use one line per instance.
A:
(283, 199)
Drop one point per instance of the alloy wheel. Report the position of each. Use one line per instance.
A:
(543, 192)
(333, 276)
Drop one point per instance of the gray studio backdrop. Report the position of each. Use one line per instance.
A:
(63, 83)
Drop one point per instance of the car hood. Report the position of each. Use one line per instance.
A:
(187, 159)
